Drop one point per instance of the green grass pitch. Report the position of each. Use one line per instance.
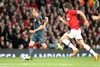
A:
(50, 62)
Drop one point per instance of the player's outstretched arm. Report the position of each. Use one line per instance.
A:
(62, 20)
(41, 26)
(35, 30)
(86, 23)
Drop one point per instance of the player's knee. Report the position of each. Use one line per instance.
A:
(31, 43)
(44, 46)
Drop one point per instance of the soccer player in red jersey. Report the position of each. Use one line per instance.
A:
(75, 31)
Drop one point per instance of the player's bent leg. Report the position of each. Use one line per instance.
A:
(64, 37)
(88, 48)
(56, 45)
(66, 41)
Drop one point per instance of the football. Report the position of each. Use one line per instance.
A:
(24, 57)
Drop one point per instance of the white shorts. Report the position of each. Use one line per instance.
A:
(73, 33)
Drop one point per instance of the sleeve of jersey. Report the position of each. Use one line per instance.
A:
(41, 20)
(73, 12)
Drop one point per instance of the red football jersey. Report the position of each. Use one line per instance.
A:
(72, 19)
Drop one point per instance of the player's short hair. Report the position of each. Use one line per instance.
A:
(36, 9)
(67, 5)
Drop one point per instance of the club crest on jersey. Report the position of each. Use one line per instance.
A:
(39, 22)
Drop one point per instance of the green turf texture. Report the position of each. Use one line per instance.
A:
(50, 62)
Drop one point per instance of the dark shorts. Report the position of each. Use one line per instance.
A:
(38, 37)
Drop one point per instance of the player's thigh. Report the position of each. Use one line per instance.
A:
(64, 37)
(42, 41)
(75, 34)
(78, 36)
(67, 35)
(33, 40)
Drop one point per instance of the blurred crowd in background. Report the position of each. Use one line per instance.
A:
(16, 20)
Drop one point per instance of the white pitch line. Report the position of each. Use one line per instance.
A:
(49, 64)
(35, 60)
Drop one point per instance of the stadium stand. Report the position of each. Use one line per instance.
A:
(16, 21)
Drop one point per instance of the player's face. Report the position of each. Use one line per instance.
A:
(65, 9)
(34, 12)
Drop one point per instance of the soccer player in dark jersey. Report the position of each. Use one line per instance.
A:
(37, 34)
(75, 31)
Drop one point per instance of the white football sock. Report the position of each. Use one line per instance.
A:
(68, 43)
(87, 47)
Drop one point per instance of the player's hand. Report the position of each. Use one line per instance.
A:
(31, 31)
(46, 19)
(94, 17)
(86, 24)
(60, 18)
